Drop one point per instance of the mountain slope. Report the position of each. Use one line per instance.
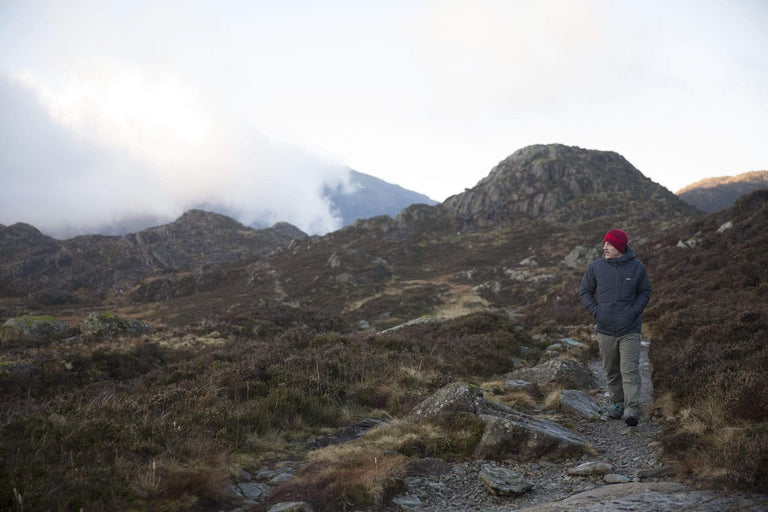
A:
(371, 197)
(715, 194)
(709, 322)
(563, 184)
(49, 271)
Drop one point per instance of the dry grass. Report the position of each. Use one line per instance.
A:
(497, 391)
(365, 471)
(553, 399)
(161, 422)
(709, 323)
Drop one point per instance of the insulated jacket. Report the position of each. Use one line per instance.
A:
(615, 291)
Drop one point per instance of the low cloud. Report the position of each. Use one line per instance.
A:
(123, 148)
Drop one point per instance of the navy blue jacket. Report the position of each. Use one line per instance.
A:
(615, 291)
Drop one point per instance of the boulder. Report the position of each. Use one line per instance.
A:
(558, 372)
(591, 469)
(507, 433)
(518, 385)
(252, 490)
(580, 403)
(613, 478)
(581, 256)
(504, 482)
(449, 401)
(36, 329)
(107, 324)
(510, 434)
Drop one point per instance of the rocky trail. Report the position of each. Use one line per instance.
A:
(629, 474)
(625, 472)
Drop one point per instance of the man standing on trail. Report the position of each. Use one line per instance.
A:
(615, 290)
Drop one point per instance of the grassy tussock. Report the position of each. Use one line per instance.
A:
(366, 471)
(498, 392)
(553, 399)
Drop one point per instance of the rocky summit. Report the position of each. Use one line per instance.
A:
(563, 184)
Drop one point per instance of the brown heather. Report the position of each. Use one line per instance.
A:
(138, 423)
(251, 355)
(709, 345)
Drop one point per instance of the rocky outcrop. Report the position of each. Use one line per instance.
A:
(559, 372)
(581, 256)
(48, 271)
(580, 403)
(508, 434)
(107, 324)
(562, 184)
(34, 329)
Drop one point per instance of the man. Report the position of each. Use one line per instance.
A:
(615, 290)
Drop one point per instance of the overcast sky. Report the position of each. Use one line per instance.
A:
(112, 108)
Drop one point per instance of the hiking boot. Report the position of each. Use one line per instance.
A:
(631, 421)
(617, 412)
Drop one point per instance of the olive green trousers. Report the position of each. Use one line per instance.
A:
(621, 362)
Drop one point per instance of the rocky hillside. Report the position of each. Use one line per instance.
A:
(42, 270)
(444, 260)
(253, 351)
(562, 184)
(715, 194)
(507, 244)
(709, 322)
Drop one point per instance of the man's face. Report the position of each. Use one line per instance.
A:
(610, 251)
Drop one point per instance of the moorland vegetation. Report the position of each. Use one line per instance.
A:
(248, 361)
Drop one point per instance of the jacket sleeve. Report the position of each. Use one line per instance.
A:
(587, 291)
(643, 293)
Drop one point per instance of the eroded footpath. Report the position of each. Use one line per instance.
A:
(638, 478)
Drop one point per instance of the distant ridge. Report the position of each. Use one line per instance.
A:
(371, 197)
(365, 197)
(715, 194)
(49, 271)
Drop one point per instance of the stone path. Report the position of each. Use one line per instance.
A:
(633, 453)
(639, 479)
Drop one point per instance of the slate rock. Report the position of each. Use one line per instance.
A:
(560, 372)
(407, 501)
(518, 385)
(291, 506)
(511, 434)
(580, 403)
(451, 400)
(658, 472)
(507, 434)
(590, 469)
(504, 482)
(613, 478)
(253, 490)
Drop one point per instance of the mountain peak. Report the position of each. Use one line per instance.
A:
(201, 218)
(558, 183)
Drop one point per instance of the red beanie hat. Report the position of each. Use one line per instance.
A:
(618, 239)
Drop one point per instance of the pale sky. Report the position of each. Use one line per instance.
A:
(112, 108)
